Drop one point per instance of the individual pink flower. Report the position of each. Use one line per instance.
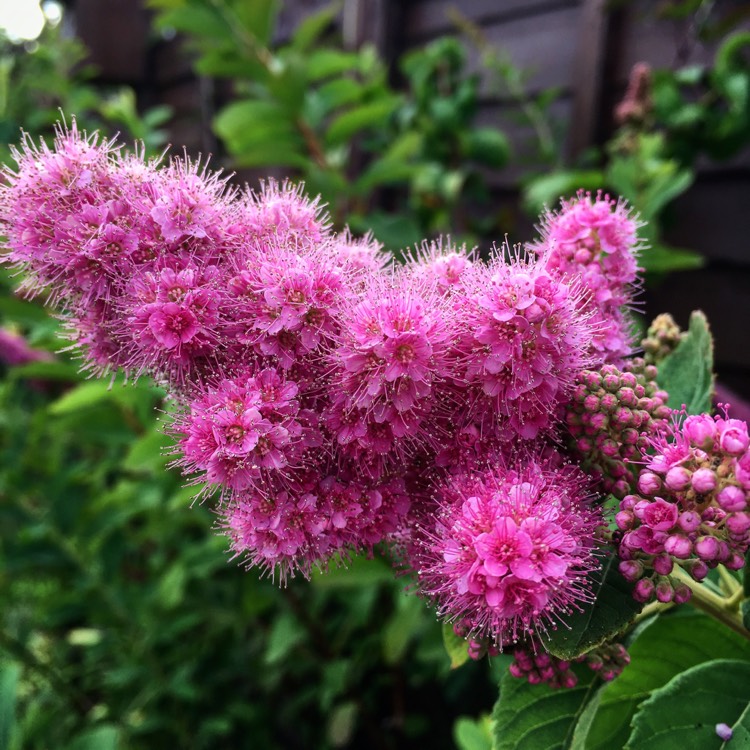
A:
(521, 344)
(511, 549)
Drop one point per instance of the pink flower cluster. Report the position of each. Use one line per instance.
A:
(690, 509)
(331, 400)
(594, 240)
(511, 548)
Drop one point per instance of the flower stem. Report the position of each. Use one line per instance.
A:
(718, 607)
(730, 583)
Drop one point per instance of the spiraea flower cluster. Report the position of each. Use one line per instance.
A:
(594, 239)
(690, 508)
(329, 400)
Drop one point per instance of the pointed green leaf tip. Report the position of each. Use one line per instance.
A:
(684, 713)
(455, 646)
(612, 609)
(687, 373)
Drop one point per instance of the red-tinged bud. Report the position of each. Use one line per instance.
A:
(738, 523)
(678, 546)
(732, 499)
(643, 590)
(689, 521)
(631, 570)
(664, 592)
(663, 564)
(649, 483)
(677, 479)
(703, 480)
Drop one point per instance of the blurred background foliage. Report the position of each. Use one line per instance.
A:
(124, 625)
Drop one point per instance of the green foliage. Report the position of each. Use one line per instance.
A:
(608, 614)
(331, 118)
(719, 692)
(534, 717)
(687, 372)
(43, 79)
(682, 115)
(124, 624)
(667, 646)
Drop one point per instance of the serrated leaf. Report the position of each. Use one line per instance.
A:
(455, 646)
(671, 644)
(684, 712)
(612, 609)
(687, 373)
(536, 717)
(9, 676)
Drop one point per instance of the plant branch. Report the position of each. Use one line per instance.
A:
(718, 607)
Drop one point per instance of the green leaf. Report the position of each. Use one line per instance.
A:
(488, 146)
(660, 258)
(285, 634)
(324, 63)
(147, 454)
(200, 21)
(455, 646)
(312, 27)
(536, 717)
(395, 231)
(687, 373)
(684, 712)
(87, 394)
(662, 188)
(402, 627)
(383, 172)
(370, 115)
(55, 370)
(473, 734)
(670, 644)
(608, 614)
(355, 573)
(259, 128)
(171, 589)
(9, 676)
(104, 737)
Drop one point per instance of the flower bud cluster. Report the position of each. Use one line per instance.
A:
(662, 338)
(540, 667)
(691, 507)
(610, 417)
(536, 666)
(607, 660)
